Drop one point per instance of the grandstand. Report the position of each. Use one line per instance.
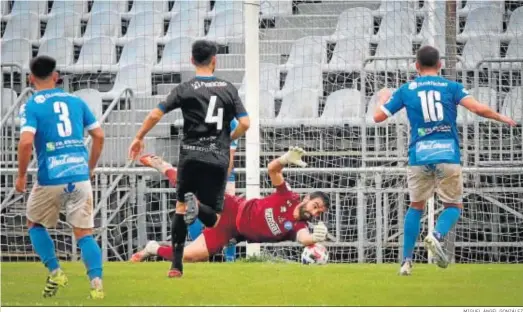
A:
(320, 64)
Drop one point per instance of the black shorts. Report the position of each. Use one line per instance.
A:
(207, 181)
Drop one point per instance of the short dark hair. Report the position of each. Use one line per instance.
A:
(203, 51)
(427, 56)
(42, 66)
(324, 197)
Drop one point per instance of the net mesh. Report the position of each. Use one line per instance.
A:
(321, 64)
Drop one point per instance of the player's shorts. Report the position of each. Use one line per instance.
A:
(230, 188)
(45, 202)
(225, 230)
(444, 179)
(206, 181)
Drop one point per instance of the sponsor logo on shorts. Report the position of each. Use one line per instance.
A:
(273, 226)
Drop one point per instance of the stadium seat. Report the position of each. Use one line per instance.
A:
(400, 117)
(482, 22)
(387, 6)
(102, 24)
(8, 97)
(140, 6)
(354, 22)
(266, 104)
(27, 6)
(186, 6)
(225, 5)
(513, 104)
(439, 28)
(4, 8)
(298, 107)
(393, 46)
(514, 51)
(63, 25)
(485, 95)
(97, 55)
(93, 98)
(22, 25)
(471, 5)
(275, 8)
(109, 5)
(187, 24)
(343, 107)
(477, 49)
(77, 6)
(136, 77)
(515, 24)
(17, 51)
(303, 77)
(226, 26)
(144, 24)
(307, 50)
(176, 56)
(394, 23)
(61, 49)
(269, 78)
(349, 54)
(141, 50)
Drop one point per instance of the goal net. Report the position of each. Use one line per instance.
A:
(321, 64)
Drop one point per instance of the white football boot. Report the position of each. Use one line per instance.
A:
(150, 249)
(434, 245)
(406, 268)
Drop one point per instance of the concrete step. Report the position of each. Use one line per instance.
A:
(126, 129)
(266, 47)
(294, 33)
(115, 152)
(234, 76)
(237, 61)
(306, 21)
(126, 116)
(334, 7)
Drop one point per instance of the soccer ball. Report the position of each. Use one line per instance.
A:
(315, 254)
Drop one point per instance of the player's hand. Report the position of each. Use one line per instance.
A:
(319, 232)
(21, 181)
(293, 156)
(508, 121)
(91, 173)
(136, 148)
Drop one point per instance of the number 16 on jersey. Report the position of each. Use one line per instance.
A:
(431, 105)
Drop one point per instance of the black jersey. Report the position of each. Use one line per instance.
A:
(208, 106)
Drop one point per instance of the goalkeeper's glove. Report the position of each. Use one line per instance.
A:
(293, 156)
(319, 232)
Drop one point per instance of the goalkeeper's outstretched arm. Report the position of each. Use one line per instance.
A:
(319, 234)
(275, 167)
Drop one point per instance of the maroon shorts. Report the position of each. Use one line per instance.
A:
(217, 237)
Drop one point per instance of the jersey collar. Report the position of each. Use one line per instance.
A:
(205, 77)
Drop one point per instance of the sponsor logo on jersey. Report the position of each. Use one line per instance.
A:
(427, 131)
(209, 84)
(436, 151)
(61, 160)
(50, 147)
(39, 99)
(273, 226)
(413, 85)
(433, 145)
(288, 225)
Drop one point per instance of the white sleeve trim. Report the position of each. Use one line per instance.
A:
(28, 129)
(466, 96)
(385, 110)
(92, 126)
(233, 147)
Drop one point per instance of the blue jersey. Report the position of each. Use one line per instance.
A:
(58, 120)
(431, 103)
(234, 145)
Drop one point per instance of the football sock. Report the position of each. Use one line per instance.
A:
(207, 215)
(178, 242)
(44, 247)
(91, 256)
(166, 252)
(411, 229)
(195, 229)
(446, 221)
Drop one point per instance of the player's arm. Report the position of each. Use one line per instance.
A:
(171, 102)
(241, 115)
(388, 104)
(483, 110)
(29, 124)
(97, 135)
(319, 234)
(275, 167)
(234, 145)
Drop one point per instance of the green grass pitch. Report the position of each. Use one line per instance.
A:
(280, 284)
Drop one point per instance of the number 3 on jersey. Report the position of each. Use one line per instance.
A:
(64, 128)
(210, 118)
(431, 105)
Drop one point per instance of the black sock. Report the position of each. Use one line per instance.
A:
(178, 234)
(207, 215)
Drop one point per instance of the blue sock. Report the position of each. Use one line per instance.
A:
(446, 221)
(92, 256)
(411, 229)
(44, 247)
(195, 229)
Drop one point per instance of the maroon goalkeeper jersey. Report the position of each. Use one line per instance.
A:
(270, 219)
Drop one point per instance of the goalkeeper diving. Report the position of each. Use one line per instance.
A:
(278, 217)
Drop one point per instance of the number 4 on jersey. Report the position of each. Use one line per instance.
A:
(431, 105)
(210, 118)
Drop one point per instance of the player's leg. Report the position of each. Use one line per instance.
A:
(420, 180)
(161, 165)
(79, 208)
(43, 212)
(449, 186)
(230, 249)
